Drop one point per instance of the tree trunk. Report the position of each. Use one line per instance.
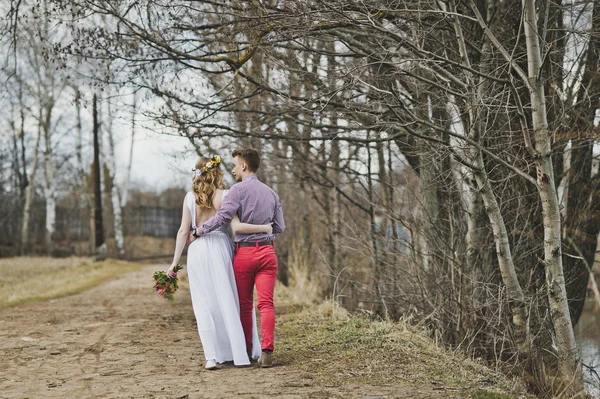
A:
(118, 221)
(569, 368)
(87, 192)
(334, 222)
(99, 231)
(115, 195)
(22, 137)
(78, 140)
(332, 168)
(475, 227)
(582, 222)
(50, 181)
(29, 194)
(18, 184)
(125, 192)
(476, 107)
(385, 226)
(503, 251)
(380, 307)
(300, 155)
(428, 191)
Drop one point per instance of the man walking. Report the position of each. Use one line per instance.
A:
(254, 262)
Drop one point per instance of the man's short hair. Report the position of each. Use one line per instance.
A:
(250, 156)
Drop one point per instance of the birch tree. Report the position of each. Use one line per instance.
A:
(29, 194)
(569, 367)
(115, 192)
(396, 69)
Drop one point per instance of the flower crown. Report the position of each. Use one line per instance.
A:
(214, 161)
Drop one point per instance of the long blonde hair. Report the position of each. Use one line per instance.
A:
(205, 185)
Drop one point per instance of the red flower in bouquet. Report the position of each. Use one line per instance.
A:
(165, 286)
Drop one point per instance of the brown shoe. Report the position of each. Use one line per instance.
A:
(266, 360)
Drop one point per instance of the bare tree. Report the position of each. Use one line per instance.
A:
(29, 194)
(98, 222)
(442, 86)
(115, 193)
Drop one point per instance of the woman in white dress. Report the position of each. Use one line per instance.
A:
(210, 271)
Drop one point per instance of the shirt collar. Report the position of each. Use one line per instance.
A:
(250, 177)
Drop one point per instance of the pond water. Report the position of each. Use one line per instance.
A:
(587, 332)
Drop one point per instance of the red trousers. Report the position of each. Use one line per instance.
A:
(256, 266)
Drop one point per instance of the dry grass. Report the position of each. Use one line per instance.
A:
(135, 247)
(336, 348)
(28, 279)
(303, 286)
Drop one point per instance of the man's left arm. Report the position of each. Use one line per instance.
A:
(227, 211)
(278, 223)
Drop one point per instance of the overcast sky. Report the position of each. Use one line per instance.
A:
(159, 161)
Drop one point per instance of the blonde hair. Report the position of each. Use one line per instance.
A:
(205, 185)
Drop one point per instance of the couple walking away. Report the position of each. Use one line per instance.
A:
(221, 283)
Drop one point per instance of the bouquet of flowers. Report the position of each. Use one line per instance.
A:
(164, 285)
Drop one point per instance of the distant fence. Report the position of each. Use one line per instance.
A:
(73, 223)
(152, 222)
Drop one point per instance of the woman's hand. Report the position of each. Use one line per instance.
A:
(171, 272)
(269, 228)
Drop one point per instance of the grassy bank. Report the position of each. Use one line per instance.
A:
(28, 279)
(336, 349)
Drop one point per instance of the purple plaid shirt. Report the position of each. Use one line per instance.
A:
(254, 202)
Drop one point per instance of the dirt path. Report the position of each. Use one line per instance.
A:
(120, 341)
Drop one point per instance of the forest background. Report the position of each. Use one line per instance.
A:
(436, 159)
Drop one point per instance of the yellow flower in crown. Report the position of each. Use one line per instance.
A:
(215, 160)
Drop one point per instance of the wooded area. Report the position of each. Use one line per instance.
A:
(435, 159)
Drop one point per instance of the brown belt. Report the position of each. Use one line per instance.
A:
(253, 244)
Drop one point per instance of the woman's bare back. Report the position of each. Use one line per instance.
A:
(203, 214)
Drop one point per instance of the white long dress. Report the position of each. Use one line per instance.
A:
(215, 298)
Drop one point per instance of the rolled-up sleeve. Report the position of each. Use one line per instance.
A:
(228, 210)
(278, 222)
